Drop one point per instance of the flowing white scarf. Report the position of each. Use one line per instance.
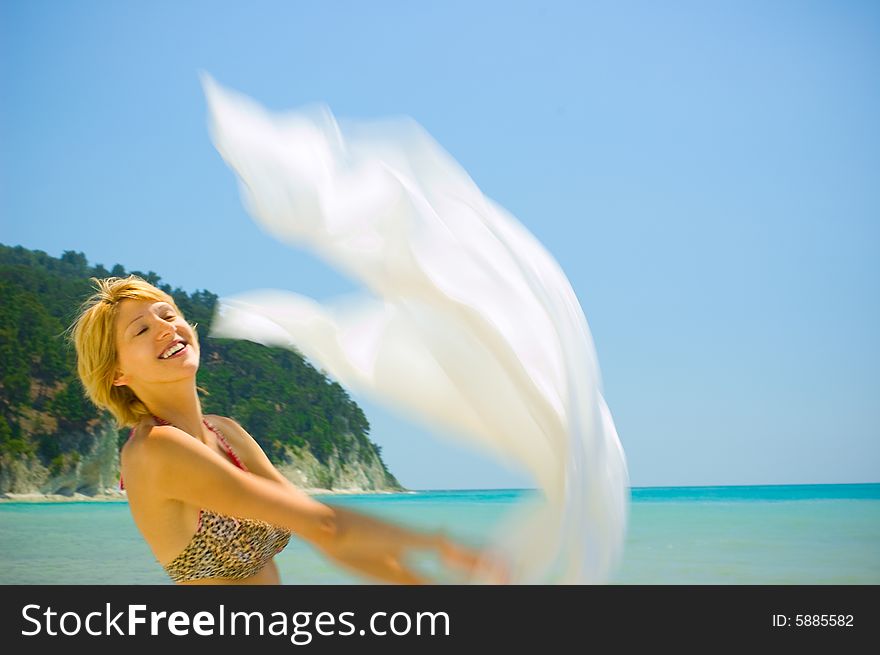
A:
(469, 323)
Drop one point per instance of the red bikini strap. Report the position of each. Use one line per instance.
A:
(226, 445)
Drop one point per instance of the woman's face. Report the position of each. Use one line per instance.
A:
(145, 329)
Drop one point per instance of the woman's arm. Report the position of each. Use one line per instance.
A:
(183, 468)
(370, 545)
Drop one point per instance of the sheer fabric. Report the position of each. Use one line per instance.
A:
(466, 321)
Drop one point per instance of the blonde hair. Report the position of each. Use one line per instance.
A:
(93, 334)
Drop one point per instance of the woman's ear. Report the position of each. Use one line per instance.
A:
(121, 379)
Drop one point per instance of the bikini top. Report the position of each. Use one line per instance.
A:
(225, 546)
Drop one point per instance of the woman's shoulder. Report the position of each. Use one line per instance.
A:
(227, 426)
(247, 449)
(217, 420)
(143, 438)
(137, 434)
(148, 432)
(230, 429)
(137, 459)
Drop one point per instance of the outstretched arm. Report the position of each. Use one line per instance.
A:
(185, 469)
(182, 468)
(370, 551)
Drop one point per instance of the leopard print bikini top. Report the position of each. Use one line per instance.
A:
(225, 546)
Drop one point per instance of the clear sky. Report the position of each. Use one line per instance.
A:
(706, 173)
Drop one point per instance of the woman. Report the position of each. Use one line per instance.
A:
(210, 504)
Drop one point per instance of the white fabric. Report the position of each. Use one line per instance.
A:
(470, 325)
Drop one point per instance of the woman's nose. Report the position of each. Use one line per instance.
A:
(163, 329)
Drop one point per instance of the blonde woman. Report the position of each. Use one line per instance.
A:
(209, 503)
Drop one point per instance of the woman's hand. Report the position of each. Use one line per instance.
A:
(380, 550)
(472, 561)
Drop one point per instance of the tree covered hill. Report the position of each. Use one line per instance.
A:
(53, 440)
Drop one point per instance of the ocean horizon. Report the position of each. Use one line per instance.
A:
(737, 534)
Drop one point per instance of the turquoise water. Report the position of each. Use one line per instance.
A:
(805, 534)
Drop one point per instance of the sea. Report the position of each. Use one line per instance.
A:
(780, 534)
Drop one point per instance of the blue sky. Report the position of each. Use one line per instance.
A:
(706, 174)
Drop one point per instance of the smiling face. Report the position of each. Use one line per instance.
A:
(145, 329)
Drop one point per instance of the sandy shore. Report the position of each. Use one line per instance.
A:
(120, 496)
